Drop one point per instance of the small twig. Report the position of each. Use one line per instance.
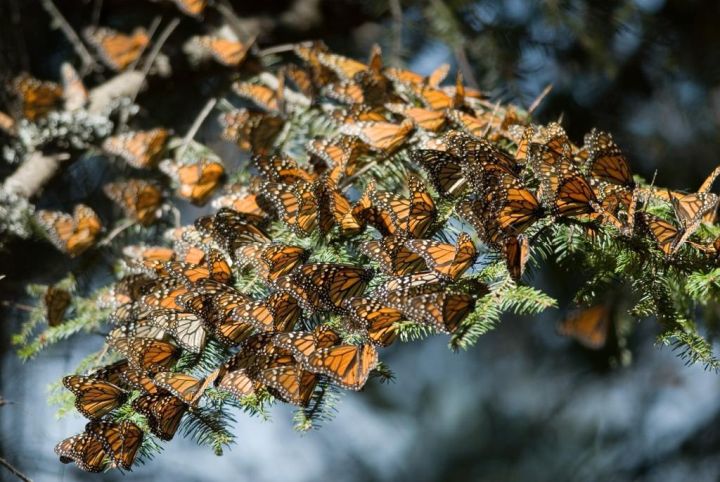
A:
(4, 401)
(18, 306)
(88, 61)
(196, 126)
(538, 100)
(115, 232)
(157, 46)
(277, 49)
(150, 33)
(397, 47)
(14, 471)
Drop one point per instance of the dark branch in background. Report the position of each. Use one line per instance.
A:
(14, 471)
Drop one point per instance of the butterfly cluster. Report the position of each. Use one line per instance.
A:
(333, 239)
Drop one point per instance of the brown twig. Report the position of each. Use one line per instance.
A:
(538, 100)
(196, 126)
(116, 231)
(14, 471)
(147, 65)
(88, 61)
(150, 33)
(18, 306)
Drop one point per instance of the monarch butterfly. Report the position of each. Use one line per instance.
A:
(216, 268)
(473, 125)
(230, 53)
(308, 52)
(444, 170)
(482, 215)
(285, 378)
(346, 92)
(394, 258)
(187, 329)
(549, 155)
(144, 252)
(574, 197)
(191, 7)
(243, 203)
(384, 137)
(116, 49)
(516, 250)
(520, 209)
(121, 441)
(197, 181)
(272, 261)
(606, 162)
(358, 113)
(94, 398)
(324, 286)
(335, 209)
(264, 97)
(230, 229)
(448, 260)
(140, 149)
(138, 199)
(164, 413)
(137, 380)
(376, 318)
(412, 215)
(252, 131)
(146, 353)
(667, 236)
(409, 77)
(227, 329)
(589, 326)
(296, 205)
(691, 208)
(163, 293)
(349, 366)
(431, 97)
(281, 169)
(302, 79)
(302, 344)
(57, 301)
(480, 156)
(75, 95)
(277, 313)
(430, 120)
(344, 67)
(86, 450)
(112, 373)
(411, 285)
(443, 311)
(74, 234)
(125, 291)
(37, 98)
(184, 387)
(340, 155)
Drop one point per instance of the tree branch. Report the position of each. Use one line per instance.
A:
(14, 471)
(88, 61)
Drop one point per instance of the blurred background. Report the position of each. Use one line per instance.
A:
(524, 403)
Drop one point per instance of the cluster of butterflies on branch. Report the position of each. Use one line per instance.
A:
(308, 322)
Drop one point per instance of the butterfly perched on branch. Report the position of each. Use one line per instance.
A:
(74, 234)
